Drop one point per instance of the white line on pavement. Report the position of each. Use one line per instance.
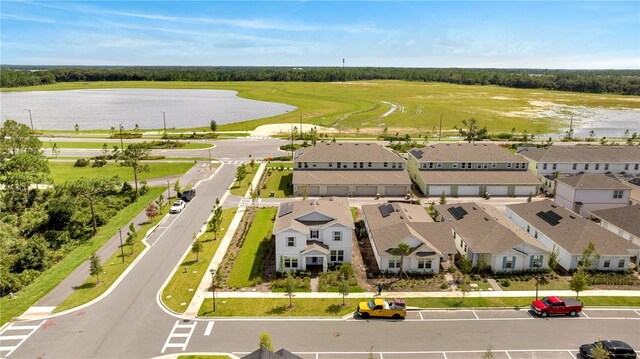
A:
(573, 356)
(585, 314)
(209, 328)
(474, 313)
(421, 317)
(445, 355)
(506, 352)
(637, 312)
(22, 338)
(173, 334)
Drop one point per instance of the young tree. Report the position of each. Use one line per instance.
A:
(488, 354)
(253, 193)
(92, 189)
(402, 250)
(131, 236)
(152, 211)
(579, 282)
(553, 258)
(213, 125)
(443, 198)
(95, 267)
(177, 188)
(289, 287)
(265, 341)
(465, 286)
(160, 202)
(599, 352)
(252, 163)
(589, 257)
(241, 173)
(133, 156)
(77, 128)
(344, 288)
(55, 150)
(465, 264)
(471, 131)
(481, 265)
(196, 248)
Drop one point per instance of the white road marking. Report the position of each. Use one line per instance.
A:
(474, 313)
(421, 317)
(10, 348)
(571, 353)
(506, 352)
(209, 328)
(173, 334)
(381, 357)
(637, 312)
(585, 314)
(445, 355)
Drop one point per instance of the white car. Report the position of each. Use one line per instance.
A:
(177, 206)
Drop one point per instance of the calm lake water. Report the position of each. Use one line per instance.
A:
(103, 108)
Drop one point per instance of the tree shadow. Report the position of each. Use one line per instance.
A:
(191, 262)
(281, 309)
(85, 286)
(334, 308)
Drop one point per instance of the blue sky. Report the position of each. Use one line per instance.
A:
(307, 33)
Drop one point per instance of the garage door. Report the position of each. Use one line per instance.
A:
(437, 190)
(313, 191)
(468, 190)
(526, 190)
(338, 191)
(366, 190)
(498, 190)
(397, 191)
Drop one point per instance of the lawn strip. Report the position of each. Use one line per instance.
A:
(65, 171)
(278, 182)
(240, 189)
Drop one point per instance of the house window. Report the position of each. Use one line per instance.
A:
(626, 166)
(485, 166)
(355, 165)
(528, 228)
(337, 236)
(463, 165)
(315, 233)
(597, 166)
(313, 165)
(290, 262)
(606, 166)
(493, 165)
(385, 165)
(635, 167)
(455, 165)
(394, 263)
(361, 164)
(575, 166)
(306, 165)
(337, 255)
(393, 165)
(555, 166)
(330, 164)
(299, 165)
(439, 165)
(544, 166)
(535, 235)
(509, 165)
(621, 263)
(424, 264)
(586, 166)
(338, 165)
(369, 164)
(534, 259)
(430, 165)
(399, 165)
(508, 262)
(607, 263)
(291, 241)
(617, 194)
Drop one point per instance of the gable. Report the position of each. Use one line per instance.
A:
(314, 217)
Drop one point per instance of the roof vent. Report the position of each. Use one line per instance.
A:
(486, 219)
(474, 208)
(554, 206)
(572, 216)
(401, 217)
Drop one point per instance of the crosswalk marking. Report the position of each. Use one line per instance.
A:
(209, 328)
(20, 338)
(244, 202)
(258, 137)
(183, 337)
(234, 162)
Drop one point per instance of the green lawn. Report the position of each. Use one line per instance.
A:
(240, 189)
(113, 267)
(481, 285)
(358, 103)
(280, 164)
(177, 290)
(555, 284)
(64, 171)
(278, 182)
(98, 145)
(53, 276)
(265, 307)
(248, 266)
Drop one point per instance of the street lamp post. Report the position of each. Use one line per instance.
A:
(213, 286)
(121, 249)
(209, 160)
(30, 119)
(164, 121)
(537, 267)
(168, 191)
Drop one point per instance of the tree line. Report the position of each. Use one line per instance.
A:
(625, 82)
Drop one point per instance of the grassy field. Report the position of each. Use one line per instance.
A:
(349, 105)
(266, 307)
(98, 145)
(278, 182)
(53, 276)
(64, 171)
(280, 164)
(240, 189)
(559, 284)
(177, 290)
(247, 267)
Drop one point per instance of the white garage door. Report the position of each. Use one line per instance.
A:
(498, 190)
(313, 191)
(338, 191)
(468, 190)
(526, 190)
(366, 190)
(437, 190)
(397, 191)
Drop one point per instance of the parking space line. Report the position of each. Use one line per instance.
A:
(508, 356)
(421, 317)
(445, 355)
(209, 328)
(381, 357)
(637, 312)
(474, 313)
(585, 314)
(573, 356)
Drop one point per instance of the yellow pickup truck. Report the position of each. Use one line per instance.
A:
(379, 307)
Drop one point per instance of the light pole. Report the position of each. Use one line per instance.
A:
(121, 144)
(30, 119)
(168, 191)
(213, 286)
(121, 249)
(537, 266)
(164, 121)
(209, 160)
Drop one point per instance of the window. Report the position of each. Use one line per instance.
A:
(463, 165)
(617, 194)
(385, 165)
(544, 166)
(607, 263)
(337, 255)
(555, 166)
(575, 166)
(424, 264)
(330, 164)
(337, 236)
(455, 165)
(518, 166)
(509, 165)
(369, 164)
(636, 166)
(621, 263)
(606, 166)
(291, 241)
(299, 164)
(313, 165)
(586, 166)
(597, 166)
(534, 259)
(626, 166)
(439, 165)
(393, 165)
(399, 165)
(485, 165)
(535, 235)
(290, 262)
(528, 228)
(355, 165)
(361, 164)
(493, 165)
(315, 233)
(430, 165)
(394, 263)
(306, 165)
(508, 262)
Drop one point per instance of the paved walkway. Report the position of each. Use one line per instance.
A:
(494, 285)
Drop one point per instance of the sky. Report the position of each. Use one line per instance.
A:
(503, 34)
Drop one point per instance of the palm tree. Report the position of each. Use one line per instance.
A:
(402, 250)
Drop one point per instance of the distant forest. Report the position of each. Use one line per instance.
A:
(624, 82)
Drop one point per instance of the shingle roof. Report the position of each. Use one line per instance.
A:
(583, 154)
(593, 181)
(361, 177)
(346, 152)
(626, 218)
(464, 152)
(290, 213)
(484, 231)
(264, 353)
(397, 213)
(479, 177)
(572, 232)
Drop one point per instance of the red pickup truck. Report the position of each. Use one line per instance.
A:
(556, 306)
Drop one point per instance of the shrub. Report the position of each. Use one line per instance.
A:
(81, 162)
(444, 285)
(99, 162)
(505, 282)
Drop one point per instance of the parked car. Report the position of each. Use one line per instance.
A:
(615, 348)
(556, 306)
(177, 206)
(188, 195)
(378, 307)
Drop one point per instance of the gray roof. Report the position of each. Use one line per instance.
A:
(361, 177)
(405, 220)
(464, 152)
(479, 177)
(346, 152)
(583, 154)
(264, 353)
(626, 218)
(485, 231)
(290, 214)
(572, 232)
(593, 181)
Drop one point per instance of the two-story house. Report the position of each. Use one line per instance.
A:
(470, 169)
(588, 192)
(564, 231)
(547, 162)
(313, 233)
(349, 169)
(482, 232)
(390, 224)
(623, 221)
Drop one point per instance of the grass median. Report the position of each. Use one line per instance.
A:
(53, 276)
(65, 171)
(315, 307)
(190, 273)
(240, 188)
(111, 144)
(278, 182)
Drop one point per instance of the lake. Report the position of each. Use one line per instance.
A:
(104, 108)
